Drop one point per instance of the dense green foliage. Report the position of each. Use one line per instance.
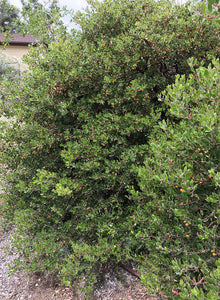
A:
(82, 119)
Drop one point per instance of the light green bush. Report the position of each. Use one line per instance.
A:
(177, 215)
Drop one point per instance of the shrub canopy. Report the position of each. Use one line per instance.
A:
(83, 117)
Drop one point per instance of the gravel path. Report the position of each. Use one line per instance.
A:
(20, 287)
(5, 289)
(8, 285)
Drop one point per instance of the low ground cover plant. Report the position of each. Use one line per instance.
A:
(85, 114)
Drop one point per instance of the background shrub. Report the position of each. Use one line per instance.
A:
(9, 67)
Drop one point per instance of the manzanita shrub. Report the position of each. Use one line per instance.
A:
(82, 117)
(177, 211)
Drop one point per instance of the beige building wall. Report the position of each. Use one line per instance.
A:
(17, 53)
